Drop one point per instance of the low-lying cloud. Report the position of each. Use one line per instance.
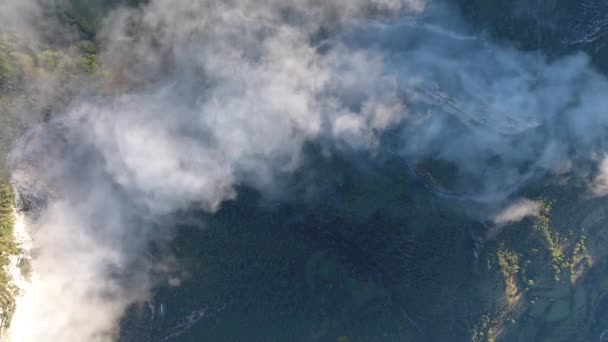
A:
(229, 92)
(517, 211)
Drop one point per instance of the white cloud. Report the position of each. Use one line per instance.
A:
(517, 211)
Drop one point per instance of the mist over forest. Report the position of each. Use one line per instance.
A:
(303, 170)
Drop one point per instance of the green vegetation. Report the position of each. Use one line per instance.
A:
(50, 59)
(484, 330)
(37, 79)
(550, 238)
(7, 247)
(9, 72)
(7, 220)
(580, 260)
(509, 266)
(508, 261)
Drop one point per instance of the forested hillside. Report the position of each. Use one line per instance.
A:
(357, 246)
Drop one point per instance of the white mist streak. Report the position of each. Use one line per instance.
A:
(23, 282)
(55, 305)
(517, 211)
